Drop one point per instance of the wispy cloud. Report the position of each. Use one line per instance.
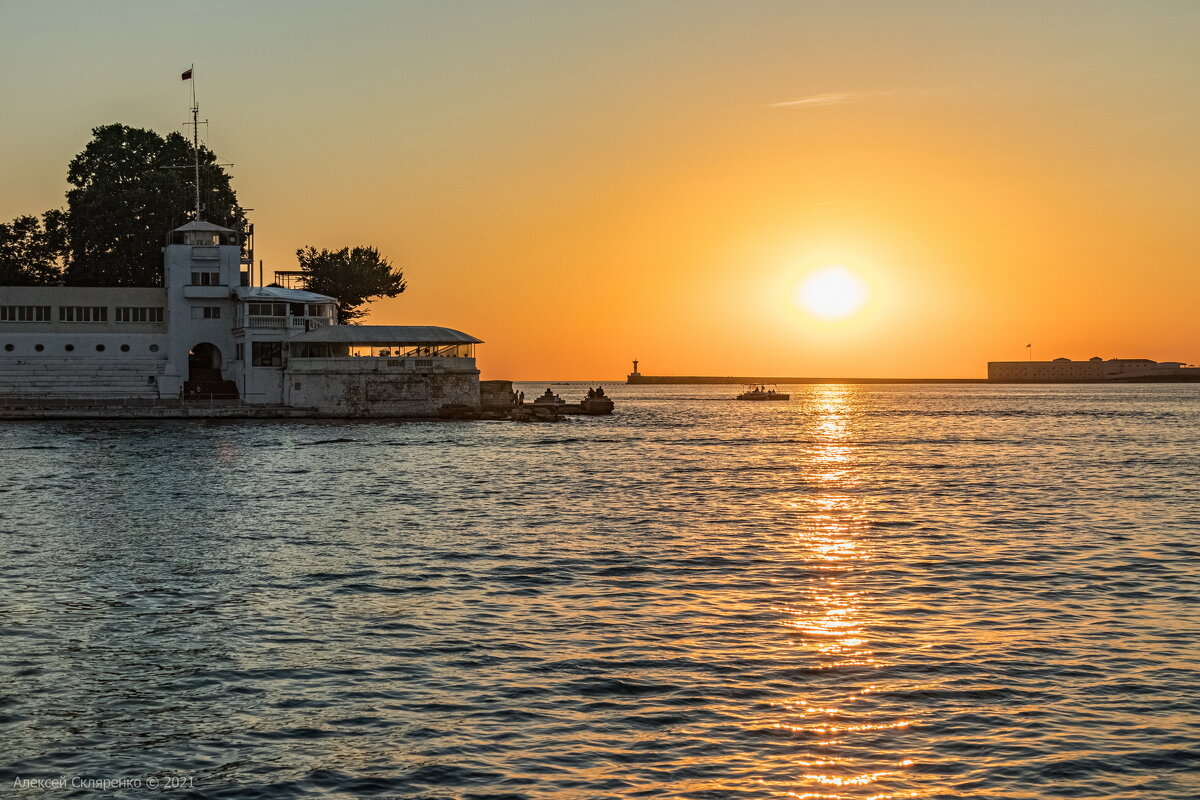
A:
(827, 99)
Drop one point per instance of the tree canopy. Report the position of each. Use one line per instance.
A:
(131, 187)
(352, 275)
(31, 250)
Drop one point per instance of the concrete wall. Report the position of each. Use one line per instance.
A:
(497, 395)
(259, 384)
(380, 387)
(57, 297)
(1045, 370)
(1053, 371)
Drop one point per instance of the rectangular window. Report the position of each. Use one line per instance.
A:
(24, 313)
(267, 354)
(267, 309)
(83, 314)
(240, 349)
(316, 310)
(206, 312)
(206, 278)
(139, 314)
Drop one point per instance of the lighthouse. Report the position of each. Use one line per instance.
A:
(635, 375)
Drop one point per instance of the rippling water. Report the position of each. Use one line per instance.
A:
(868, 592)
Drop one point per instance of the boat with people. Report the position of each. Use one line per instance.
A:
(761, 392)
(549, 407)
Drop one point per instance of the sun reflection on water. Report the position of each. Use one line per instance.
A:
(830, 622)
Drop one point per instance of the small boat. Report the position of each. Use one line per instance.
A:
(758, 392)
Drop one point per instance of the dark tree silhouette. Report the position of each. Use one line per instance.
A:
(352, 275)
(131, 188)
(32, 250)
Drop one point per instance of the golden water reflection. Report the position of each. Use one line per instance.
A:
(831, 622)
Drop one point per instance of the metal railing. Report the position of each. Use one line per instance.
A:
(280, 323)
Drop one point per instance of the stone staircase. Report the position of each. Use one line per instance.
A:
(83, 378)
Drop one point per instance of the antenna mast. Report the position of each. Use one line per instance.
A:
(195, 137)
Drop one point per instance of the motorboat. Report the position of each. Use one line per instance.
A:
(760, 392)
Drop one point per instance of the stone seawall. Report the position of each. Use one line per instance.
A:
(32, 412)
(733, 379)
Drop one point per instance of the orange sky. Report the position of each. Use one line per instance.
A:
(580, 184)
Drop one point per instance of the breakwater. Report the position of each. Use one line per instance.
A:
(736, 379)
(653, 380)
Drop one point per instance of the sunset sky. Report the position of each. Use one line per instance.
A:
(583, 183)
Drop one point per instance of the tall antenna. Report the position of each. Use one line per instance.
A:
(195, 136)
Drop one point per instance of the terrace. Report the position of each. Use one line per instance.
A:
(374, 347)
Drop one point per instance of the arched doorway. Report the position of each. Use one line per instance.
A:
(204, 363)
(204, 381)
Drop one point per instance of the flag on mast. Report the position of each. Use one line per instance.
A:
(187, 76)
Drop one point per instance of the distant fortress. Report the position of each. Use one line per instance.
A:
(1094, 370)
(1060, 370)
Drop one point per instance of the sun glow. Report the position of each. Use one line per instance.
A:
(831, 293)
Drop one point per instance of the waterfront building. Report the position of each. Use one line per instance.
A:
(1064, 370)
(208, 337)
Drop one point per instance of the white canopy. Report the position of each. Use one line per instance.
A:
(266, 294)
(201, 225)
(386, 334)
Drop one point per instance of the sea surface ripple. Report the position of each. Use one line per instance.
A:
(865, 592)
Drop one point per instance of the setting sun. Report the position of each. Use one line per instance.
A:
(831, 293)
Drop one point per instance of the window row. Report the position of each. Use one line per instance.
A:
(267, 354)
(80, 314)
(139, 314)
(262, 354)
(24, 313)
(281, 309)
(206, 278)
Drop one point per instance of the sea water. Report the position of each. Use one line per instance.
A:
(865, 592)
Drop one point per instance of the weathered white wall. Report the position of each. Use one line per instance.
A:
(107, 296)
(260, 385)
(380, 387)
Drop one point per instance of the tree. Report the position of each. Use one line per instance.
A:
(32, 250)
(352, 275)
(132, 187)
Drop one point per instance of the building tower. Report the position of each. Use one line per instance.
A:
(202, 266)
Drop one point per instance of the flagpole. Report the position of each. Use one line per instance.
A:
(195, 136)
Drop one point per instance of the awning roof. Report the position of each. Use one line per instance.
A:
(201, 225)
(386, 334)
(267, 293)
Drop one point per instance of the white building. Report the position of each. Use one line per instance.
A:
(208, 337)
